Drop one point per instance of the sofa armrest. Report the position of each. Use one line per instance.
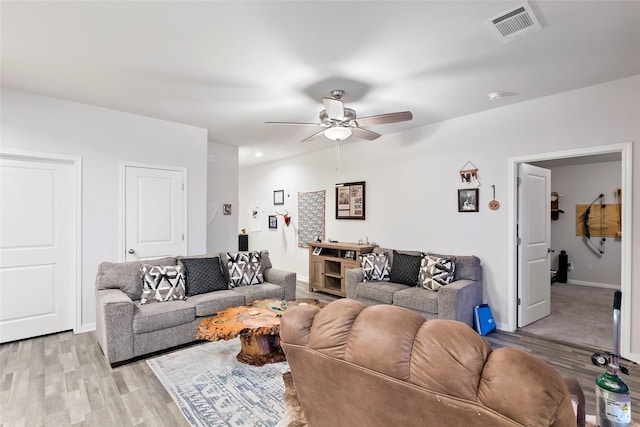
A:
(353, 277)
(286, 279)
(114, 324)
(577, 400)
(457, 300)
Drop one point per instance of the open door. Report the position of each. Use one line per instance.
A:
(534, 225)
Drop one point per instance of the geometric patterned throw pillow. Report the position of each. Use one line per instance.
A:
(436, 272)
(375, 267)
(244, 269)
(162, 283)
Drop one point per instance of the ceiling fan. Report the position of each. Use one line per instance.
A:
(340, 122)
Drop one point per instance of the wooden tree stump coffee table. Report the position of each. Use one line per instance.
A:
(258, 326)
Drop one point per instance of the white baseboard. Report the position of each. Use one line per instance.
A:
(88, 327)
(303, 279)
(593, 284)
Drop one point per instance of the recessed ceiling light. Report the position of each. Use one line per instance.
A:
(258, 154)
(494, 96)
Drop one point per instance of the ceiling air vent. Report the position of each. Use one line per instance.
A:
(514, 23)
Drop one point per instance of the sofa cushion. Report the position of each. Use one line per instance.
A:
(263, 291)
(435, 272)
(210, 303)
(244, 269)
(265, 260)
(126, 276)
(417, 298)
(375, 267)
(467, 266)
(379, 291)
(203, 275)
(389, 251)
(154, 317)
(405, 268)
(162, 283)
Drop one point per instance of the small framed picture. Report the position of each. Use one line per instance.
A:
(226, 209)
(350, 254)
(468, 200)
(273, 221)
(317, 250)
(278, 197)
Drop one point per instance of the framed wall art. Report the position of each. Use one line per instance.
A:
(273, 221)
(350, 200)
(278, 197)
(226, 209)
(468, 200)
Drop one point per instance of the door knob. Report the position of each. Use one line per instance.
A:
(131, 251)
(549, 250)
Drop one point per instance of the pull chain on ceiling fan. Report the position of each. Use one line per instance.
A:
(340, 122)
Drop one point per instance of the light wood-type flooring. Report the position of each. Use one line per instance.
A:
(64, 380)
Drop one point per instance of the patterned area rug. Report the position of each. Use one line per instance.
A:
(213, 389)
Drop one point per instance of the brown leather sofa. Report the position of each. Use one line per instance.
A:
(387, 366)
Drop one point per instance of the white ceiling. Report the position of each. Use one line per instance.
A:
(229, 66)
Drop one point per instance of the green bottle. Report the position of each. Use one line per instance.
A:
(613, 400)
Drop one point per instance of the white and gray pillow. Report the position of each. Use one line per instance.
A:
(375, 267)
(436, 272)
(162, 283)
(244, 269)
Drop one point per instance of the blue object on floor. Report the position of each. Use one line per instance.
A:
(483, 319)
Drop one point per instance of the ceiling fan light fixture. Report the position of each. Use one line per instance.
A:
(337, 133)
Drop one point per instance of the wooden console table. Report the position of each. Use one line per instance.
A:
(328, 263)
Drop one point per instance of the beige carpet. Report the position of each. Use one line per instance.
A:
(581, 315)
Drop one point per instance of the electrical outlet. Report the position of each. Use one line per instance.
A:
(589, 267)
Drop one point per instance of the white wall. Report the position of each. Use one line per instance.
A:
(412, 180)
(222, 187)
(104, 138)
(581, 184)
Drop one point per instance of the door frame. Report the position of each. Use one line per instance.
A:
(123, 237)
(76, 163)
(625, 149)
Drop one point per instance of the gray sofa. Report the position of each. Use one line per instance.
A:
(125, 328)
(454, 301)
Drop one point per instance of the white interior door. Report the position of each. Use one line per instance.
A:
(37, 247)
(154, 212)
(534, 262)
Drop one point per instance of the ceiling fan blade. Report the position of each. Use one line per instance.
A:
(364, 134)
(382, 119)
(334, 108)
(296, 123)
(313, 137)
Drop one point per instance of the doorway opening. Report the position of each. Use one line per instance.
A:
(581, 299)
(623, 151)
